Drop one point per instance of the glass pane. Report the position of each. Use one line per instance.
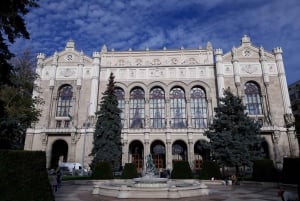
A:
(177, 108)
(198, 108)
(137, 108)
(252, 99)
(64, 102)
(157, 108)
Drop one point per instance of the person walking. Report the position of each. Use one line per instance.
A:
(53, 180)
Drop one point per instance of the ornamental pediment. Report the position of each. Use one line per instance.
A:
(247, 53)
(68, 57)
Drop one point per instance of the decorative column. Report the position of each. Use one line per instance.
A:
(236, 70)
(282, 78)
(95, 83)
(147, 113)
(209, 111)
(51, 85)
(146, 147)
(40, 65)
(168, 151)
(220, 71)
(189, 113)
(167, 108)
(125, 151)
(78, 87)
(265, 97)
(72, 153)
(277, 155)
(191, 156)
(126, 115)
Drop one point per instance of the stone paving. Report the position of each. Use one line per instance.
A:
(81, 191)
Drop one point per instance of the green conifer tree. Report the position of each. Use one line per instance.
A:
(107, 136)
(234, 136)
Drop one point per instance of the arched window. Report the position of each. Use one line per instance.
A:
(198, 108)
(121, 102)
(65, 102)
(137, 108)
(252, 99)
(157, 108)
(177, 108)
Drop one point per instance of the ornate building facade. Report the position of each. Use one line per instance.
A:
(167, 98)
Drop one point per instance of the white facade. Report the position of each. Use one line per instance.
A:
(171, 93)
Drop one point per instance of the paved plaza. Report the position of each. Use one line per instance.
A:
(82, 191)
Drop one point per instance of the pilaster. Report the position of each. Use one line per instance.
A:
(220, 71)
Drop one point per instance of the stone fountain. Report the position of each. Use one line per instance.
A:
(150, 186)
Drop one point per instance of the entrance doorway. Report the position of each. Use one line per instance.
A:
(59, 153)
(136, 150)
(158, 152)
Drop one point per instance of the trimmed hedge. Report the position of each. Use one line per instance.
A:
(24, 176)
(290, 170)
(210, 169)
(129, 171)
(102, 170)
(264, 170)
(181, 170)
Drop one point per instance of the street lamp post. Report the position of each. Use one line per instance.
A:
(86, 125)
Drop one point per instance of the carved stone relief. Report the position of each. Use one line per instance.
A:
(174, 61)
(156, 62)
(246, 53)
(132, 73)
(67, 72)
(138, 62)
(249, 68)
(272, 68)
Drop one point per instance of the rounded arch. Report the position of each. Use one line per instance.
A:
(202, 84)
(59, 153)
(179, 151)
(158, 151)
(136, 154)
(157, 84)
(253, 83)
(134, 85)
(124, 87)
(265, 149)
(179, 84)
(202, 148)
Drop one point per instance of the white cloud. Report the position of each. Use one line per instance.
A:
(137, 24)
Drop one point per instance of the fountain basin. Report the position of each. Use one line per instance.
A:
(150, 188)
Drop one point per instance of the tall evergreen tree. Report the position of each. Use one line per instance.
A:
(21, 108)
(107, 135)
(234, 136)
(12, 26)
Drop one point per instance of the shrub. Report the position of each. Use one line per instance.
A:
(23, 176)
(290, 170)
(181, 170)
(129, 171)
(264, 170)
(103, 171)
(210, 169)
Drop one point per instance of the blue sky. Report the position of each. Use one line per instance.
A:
(138, 24)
